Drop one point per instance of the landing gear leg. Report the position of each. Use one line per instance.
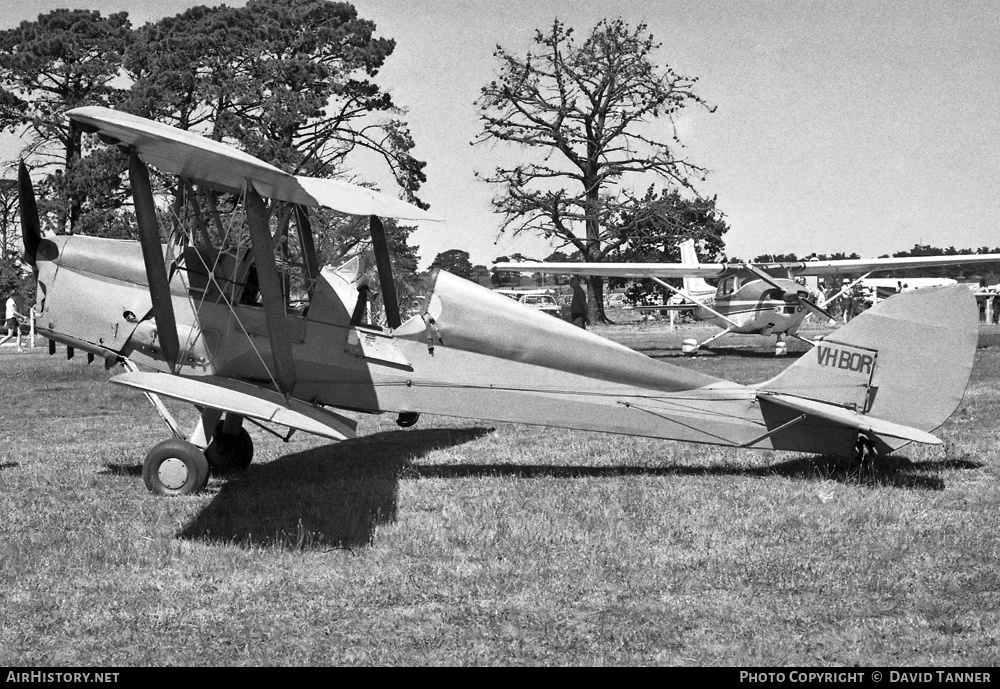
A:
(691, 347)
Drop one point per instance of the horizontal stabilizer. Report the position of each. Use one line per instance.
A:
(244, 399)
(846, 417)
(226, 168)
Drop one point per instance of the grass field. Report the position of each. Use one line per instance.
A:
(461, 542)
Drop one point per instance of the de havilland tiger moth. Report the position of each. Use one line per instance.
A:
(178, 317)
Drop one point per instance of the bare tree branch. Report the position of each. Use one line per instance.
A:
(585, 106)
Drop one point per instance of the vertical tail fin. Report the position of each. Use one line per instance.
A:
(689, 256)
(907, 360)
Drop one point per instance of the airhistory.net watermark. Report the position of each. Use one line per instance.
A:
(30, 677)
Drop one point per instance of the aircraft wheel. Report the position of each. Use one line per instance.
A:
(407, 419)
(175, 467)
(230, 452)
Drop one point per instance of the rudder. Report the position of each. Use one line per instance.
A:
(689, 256)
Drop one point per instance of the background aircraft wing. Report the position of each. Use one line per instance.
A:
(625, 270)
(242, 398)
(709, 270)
(871, 265)
(226, 168)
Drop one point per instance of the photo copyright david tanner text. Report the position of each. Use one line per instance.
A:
(891, 676)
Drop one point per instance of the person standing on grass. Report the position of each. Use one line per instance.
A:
(13, 325)
(578, 307)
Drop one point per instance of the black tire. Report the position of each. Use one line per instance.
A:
(175, 467)
(230, 452)
(407, 419)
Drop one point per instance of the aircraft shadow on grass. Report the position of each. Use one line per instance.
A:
(750, 353)
(334, 495)
(712, 352)
(337, 495)
(892, 471)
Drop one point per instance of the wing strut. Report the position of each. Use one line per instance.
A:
(152, 256)
(845, 290)
(270, 291)
(384, 265)
(807, 303)
(695, 302)
(304, 226)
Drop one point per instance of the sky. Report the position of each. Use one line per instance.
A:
(859, 126)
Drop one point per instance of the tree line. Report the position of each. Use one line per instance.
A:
(293, 82)
(289, 81)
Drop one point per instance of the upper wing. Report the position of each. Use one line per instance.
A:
(226, 168)
(625, 270)
(871, 265)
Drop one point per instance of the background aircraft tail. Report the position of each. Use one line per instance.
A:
(907, 360)
(689, 256)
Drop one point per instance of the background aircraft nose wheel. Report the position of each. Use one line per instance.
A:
(175, 467)
(864, 453)
(407, 419)
(230, 451)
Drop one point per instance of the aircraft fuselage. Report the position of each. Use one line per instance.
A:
(483, 360)
(755, 306)
(471, 353)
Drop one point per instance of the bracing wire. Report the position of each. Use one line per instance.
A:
(227, 299)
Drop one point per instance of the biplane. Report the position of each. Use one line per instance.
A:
(749, 298)
(220, 328)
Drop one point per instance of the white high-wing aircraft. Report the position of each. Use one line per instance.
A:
(749, 298)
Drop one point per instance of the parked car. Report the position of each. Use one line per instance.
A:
(542, 302)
